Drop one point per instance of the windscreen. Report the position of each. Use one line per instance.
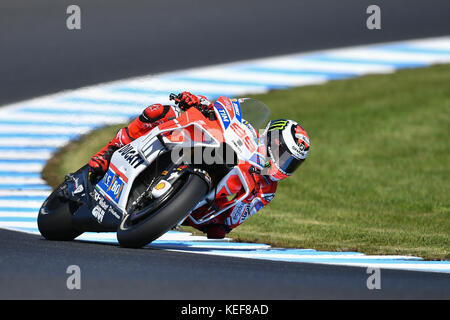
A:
(255, 112)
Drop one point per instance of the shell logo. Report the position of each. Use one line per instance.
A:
(160, 186)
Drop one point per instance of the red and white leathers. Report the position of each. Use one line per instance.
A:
(263, 191)
(262, 187)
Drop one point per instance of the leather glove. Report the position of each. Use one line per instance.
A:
(187, 100)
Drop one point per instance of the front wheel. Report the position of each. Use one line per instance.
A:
(174, 210)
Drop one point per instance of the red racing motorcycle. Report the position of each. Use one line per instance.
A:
(157, 181)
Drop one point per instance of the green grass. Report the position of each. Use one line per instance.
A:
(378, 174)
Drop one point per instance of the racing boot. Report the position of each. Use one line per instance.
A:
(100, 161)
(151, 117)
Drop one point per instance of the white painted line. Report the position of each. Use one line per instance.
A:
(436, 44)
(182, 85)
(24, 155)
(62, 119)
(115, 109)
(256, 77)
(17, 214)
(21, 180)
(380, 55)
(290, 64)
(18, 224)
(137, 99)
(24, 142)
(14, 128)
(25, 193)
(20, 204)
(14, 167)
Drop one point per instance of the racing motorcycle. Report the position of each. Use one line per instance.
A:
(155, 182)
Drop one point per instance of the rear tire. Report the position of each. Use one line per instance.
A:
(157, 224)
(55, 218)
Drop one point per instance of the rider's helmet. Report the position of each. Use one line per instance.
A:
(287, 145)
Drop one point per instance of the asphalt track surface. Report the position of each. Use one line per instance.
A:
(122, 39)
(32, 267)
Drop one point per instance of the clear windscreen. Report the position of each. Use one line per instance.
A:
(255, 112)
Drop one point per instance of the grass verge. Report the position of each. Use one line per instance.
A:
(377, 177)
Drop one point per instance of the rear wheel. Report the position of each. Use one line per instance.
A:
(55, 217)
(172, 211)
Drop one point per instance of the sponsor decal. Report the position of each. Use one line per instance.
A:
(131, 156)
(79, 189)
(100, 200)
(241, 212)
(237, 109)
(112, 185)
(223, 114)
(278, 125)
(300, 151)
(113, 212)
(245, 215)
(258, 159)
(249, 144)
(104, 206)
(237, 212)
(98, 213)
(160, 186)
(238, 144)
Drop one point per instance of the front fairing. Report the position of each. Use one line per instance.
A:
(240, 133)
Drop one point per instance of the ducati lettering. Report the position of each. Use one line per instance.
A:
(131, 156)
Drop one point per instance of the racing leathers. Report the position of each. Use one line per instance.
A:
(262, 187)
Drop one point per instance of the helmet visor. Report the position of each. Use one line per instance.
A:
(281, 155)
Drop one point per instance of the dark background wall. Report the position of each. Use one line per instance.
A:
(39, 55)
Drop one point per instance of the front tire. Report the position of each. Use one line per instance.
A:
(55, 217)
(138, 235)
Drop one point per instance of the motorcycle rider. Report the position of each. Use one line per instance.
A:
(286, 146)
